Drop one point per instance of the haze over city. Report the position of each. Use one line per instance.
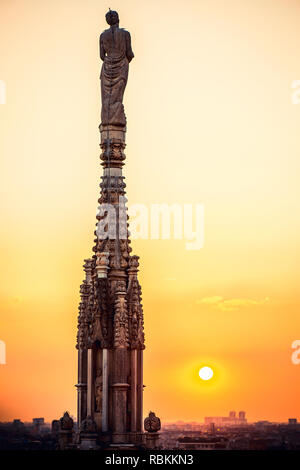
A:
(210, 121)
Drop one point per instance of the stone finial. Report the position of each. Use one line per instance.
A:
(88, 425)
(66, 422)
(102, 263)
(152, 423)
(88, 434)
(121, 333)
(65, 433)
(88, 269)
(133, 262)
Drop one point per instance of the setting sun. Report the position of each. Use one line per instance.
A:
(206, 373)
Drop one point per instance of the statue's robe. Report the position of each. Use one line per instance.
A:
(116, 53)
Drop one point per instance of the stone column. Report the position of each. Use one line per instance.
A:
(119, 390)
(152, 440)
(119, 404)
(90, 408)
(133, 394)
(81, 387)
(65, 433)
(104, 390)
(120, 364)
(82, 343)
(140, 389)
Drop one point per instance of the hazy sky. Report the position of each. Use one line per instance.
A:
(211, 121)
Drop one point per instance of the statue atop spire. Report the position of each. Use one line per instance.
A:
(110, 339)
(116, 53)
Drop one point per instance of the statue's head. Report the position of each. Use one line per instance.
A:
(112, 17)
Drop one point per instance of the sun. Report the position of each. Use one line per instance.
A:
(206, 373)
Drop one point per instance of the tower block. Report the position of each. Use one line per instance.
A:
(110, 338)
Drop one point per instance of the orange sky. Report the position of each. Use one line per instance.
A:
(210, 120)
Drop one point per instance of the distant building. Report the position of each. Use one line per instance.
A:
(263, 424)
(18, 425)
(38, 421)
(231, 420)
(55, 427)
(201, 443)
(38, 425)
(212, 428)
(292, 421)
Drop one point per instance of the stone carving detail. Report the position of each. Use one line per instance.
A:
(116, 53)
(98, 391)
(96, 330)
(112, 153)
(121, 337)
(103, 302)
(85, 313)
(83, 318)
(141, 335)
(88, 425)
(110, 310)
(134, 306)
(114, 183)
(102, 263)
(124, 252)
(66, 422)
(134, 262)
(136, 317)
(152, 423)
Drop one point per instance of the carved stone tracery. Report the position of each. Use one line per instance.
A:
(110, 321)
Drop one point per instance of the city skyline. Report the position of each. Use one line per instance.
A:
(211, 121)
